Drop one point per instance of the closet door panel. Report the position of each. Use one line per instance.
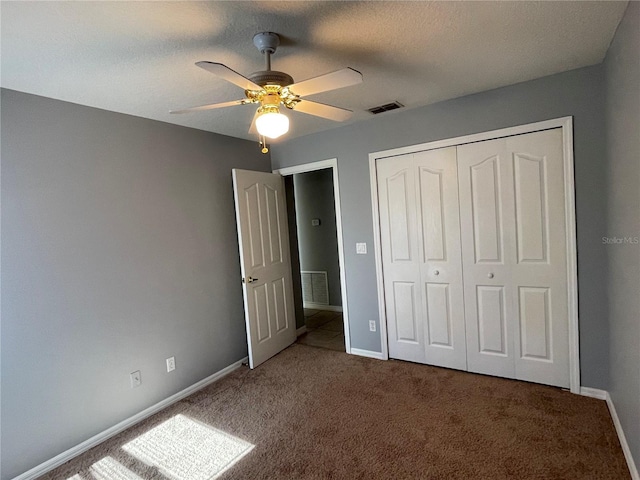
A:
(535, 321)
(484, 181)
(434, 242)
(400, 242)
(439, 321)
(486, 215)
(539, 270)
(529, 175)
(400, 216)
(405, 312)
(491, 316)
(441, 262)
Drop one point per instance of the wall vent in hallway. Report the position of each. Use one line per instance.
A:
(315, 288)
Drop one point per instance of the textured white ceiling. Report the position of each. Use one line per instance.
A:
(138, 57)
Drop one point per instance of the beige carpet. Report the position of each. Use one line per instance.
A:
(311, 413)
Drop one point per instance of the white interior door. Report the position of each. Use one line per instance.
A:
(514, 256)
(419, 225)
(400, 257)
(440, 258)
(539, 272)
(265, 261)
(486, 220)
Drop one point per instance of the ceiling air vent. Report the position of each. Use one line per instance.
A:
(385, 108)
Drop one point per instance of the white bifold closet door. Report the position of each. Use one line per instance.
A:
(473, 242)
(420, 230)
(512, 210)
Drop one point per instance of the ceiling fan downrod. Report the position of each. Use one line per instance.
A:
(266, 43)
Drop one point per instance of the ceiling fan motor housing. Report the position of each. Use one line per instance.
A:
(271, 77)
(266, 42)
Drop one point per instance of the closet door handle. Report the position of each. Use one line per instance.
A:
(490, 275)
(436, 272)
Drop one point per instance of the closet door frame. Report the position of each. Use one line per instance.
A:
(566, 124)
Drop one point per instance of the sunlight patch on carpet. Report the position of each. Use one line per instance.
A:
(108, 469)
(184, 449)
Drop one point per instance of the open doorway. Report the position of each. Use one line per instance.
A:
(317, 256)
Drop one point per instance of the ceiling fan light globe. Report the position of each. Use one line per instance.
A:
(272, 125)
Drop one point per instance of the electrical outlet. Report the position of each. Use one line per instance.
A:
(361, 248)
(171, 364)
(372, 325)
(136, 379)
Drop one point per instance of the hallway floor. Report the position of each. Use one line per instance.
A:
(325, 329)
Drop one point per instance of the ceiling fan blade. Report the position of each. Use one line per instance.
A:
(325, 111)
(229, 75)
(253, 130)
(211, 106)
(329, 81)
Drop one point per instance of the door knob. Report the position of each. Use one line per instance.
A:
(436, 272)
(249, 280)
(490, 275)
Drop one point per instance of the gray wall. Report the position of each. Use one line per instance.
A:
(119, 249)
(577, 93)
(622, 74)
(318, 245)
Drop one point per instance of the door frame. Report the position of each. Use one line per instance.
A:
(566, 124)
(331, 163)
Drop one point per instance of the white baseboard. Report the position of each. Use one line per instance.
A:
(301, 331)
(366, 353)
(593, 393)
(623, 440)
(318, 306)
(604, 395)
(122, 426)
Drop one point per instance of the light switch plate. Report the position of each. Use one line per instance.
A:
(361, 248)
(315, 222)
(171, 364)
(136, 379)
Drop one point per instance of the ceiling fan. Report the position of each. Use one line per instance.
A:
(270, 89)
